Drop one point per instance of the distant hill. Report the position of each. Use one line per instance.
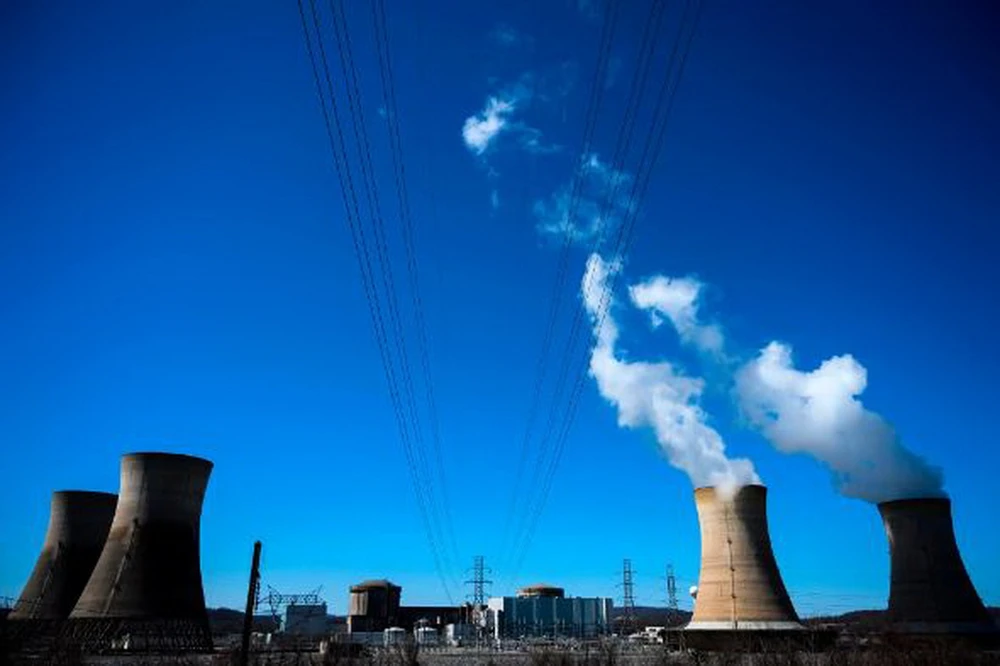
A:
(229, 621)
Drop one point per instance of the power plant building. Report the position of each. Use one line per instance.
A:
(78, 527)
(373, 606)
(305, 619)
(930, 590)
(739, 586)
(544, 610)
(149, 568)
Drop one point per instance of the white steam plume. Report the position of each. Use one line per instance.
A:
(657, 395)
(818, 413)
(677, 300)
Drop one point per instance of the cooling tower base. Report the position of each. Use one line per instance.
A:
(944, 628)
(104, 636)
(770, 640)
(744, 626)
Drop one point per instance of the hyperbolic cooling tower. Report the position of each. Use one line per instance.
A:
(739, 586)
(150, 566)
(930, 589)
(78, 525)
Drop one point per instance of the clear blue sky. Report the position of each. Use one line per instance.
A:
(175, 274)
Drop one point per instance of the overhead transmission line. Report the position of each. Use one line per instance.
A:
(544, 458)
(605, 43)
(652, 148)
(381, 304)
(392, 120)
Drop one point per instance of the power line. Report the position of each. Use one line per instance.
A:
(605, 43)
(660, 115)
(333, 125)
(406, 222)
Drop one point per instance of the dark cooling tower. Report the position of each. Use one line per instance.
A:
(78, 525)
(150, 567)
(930, 590)
(739, 587)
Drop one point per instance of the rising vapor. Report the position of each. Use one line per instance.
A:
(819, 413)
(656, 395)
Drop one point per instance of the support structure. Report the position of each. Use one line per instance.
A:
(628, 599)
(478, 596)
(253, 591)
(671, 589)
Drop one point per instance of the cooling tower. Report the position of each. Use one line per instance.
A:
(78, 525)
(929, 590)
(739, 587)
(149, 567)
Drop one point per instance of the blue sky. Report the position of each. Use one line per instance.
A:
(176, 274)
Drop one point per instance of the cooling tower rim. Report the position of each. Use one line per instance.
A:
(908, 502)
(167, 456)
(712, 491)
(73, 492)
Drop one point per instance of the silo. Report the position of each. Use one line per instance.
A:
(150, 567)
(930, 590)
(739, 587)
(78, 526)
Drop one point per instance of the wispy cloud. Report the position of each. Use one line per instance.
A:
(599, 203)
(677, 301)
(590, 9)
(480, 130)
(656, 394)
(508, 36)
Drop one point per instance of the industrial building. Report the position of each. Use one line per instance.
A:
(305, 620)
(78, 527)
(739, 585)
(544, 610)
(373, 606)
(930, 590)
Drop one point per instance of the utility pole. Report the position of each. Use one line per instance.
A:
(671, 589)
(478, 595)
(252, 591)
(628, 598)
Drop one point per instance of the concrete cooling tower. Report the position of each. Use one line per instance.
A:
(739, 587)
(930, 590)
(150, 567)
(78, 525)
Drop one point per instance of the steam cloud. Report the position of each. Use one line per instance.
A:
(818, 413)
(677, 300)
(815, 412)
(657, 395)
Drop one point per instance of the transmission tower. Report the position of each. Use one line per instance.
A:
(628, 598)
(671, 589)
(478, 596)
(478, 582)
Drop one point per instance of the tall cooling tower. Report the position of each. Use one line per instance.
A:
(78, 525)
(930, 589)
(150, 566)
(739, 587)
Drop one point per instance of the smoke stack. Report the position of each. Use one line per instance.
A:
(739, 586)
(930, 590)
(150, 567)
(78, 525)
